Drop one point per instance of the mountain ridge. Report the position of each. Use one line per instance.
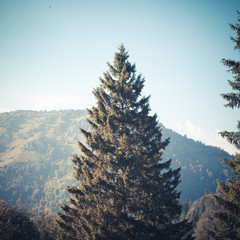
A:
(36, 148)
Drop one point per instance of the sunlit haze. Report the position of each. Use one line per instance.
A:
(53, 52)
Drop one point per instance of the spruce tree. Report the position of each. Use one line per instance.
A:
(125, 190)
(227, 219)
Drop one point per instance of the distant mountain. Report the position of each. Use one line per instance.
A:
(200, 164)
(35, 153)
(36, 148)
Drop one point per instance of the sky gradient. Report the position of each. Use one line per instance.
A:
(52, 53)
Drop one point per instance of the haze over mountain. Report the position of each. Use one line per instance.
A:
(36, 148)
(49, 54)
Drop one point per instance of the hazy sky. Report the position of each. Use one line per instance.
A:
(52, 53)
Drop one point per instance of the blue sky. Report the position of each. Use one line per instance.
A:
(52, 53)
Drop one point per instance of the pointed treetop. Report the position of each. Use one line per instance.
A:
(233, 98)
(236, 27)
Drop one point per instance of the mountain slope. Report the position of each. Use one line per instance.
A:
(200, 164)
(34, 158)
(36, 147)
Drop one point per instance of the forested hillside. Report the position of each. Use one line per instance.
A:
(200, 165)
(36, 148)
(35, 152)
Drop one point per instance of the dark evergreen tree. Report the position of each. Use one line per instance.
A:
(227, 219)
(16, 223)
(46, 226)
(125, 190)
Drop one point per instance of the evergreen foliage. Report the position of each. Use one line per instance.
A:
(15, 223)
(125, 190)
(46, 226)
(227, 219)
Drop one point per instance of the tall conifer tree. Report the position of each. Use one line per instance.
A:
(227, 220)
(126, 191)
